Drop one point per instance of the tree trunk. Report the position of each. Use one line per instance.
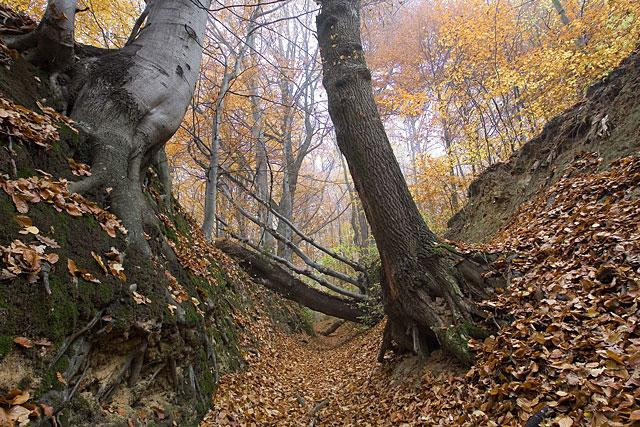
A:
(51, 44)
(278, 279)
(211, 190)
(423, 280)
(132, 100)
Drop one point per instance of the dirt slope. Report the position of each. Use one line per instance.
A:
(607, 122)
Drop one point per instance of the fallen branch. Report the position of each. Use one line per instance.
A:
(293, 268)
(295, 248)
(284, 219)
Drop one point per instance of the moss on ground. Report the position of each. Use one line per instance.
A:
(5, 345)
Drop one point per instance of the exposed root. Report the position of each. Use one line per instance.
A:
(138, 361)
(22, 42)
(72, 338)
(440, 310)
(86, 185)
(45, 269)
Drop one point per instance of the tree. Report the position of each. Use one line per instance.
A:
(420, 274)
(128, 101)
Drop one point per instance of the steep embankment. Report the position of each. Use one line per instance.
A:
(89, 335)
(607, 122)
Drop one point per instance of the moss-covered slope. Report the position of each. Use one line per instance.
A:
(93, 347)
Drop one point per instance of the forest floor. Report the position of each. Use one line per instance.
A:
(301, 380)
(569, 356)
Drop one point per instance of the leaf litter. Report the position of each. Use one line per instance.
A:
(569, 355)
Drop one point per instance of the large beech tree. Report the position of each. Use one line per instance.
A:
(428, 287)
(127, 101)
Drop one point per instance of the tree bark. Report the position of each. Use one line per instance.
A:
(422, 278)
(51, 44)
(279, 280)
(132, 100)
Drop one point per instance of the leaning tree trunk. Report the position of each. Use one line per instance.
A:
(132, 100)
(427, 286)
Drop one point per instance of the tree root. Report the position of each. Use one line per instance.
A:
(138, 361)
(86, 185)
(115, 380)
(454, 340)
(45, 269)
(69, 395)
(72, 338)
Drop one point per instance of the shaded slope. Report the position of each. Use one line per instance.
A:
(607, 122)
(88, 334)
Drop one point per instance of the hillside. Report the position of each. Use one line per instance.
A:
(606, 122)
(88, 335)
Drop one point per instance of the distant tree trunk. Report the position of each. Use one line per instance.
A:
(285, 207)
(211, 188)
(427, 286)
(231, 70)
(128, 101)
(560, 9)
(266, 240)
(455, 205)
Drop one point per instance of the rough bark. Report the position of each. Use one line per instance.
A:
(427, 294)
(279, 280)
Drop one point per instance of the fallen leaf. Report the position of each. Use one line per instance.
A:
(72, 267)
(24, 220)
(565, 422)
(98, 259)
(23, 341)
(60, 378)
(21, 398)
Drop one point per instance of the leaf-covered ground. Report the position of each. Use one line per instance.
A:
(569, 356)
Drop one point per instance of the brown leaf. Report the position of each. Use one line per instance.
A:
(72, 267)
(4, 418)
(98, 259)
(52, 258)
(43, 342)
(24, 220)
(47, 241)
(60, 378)
(21, 398)
(20, 414)
(72, 209)
(23, 341)
(565, 421)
